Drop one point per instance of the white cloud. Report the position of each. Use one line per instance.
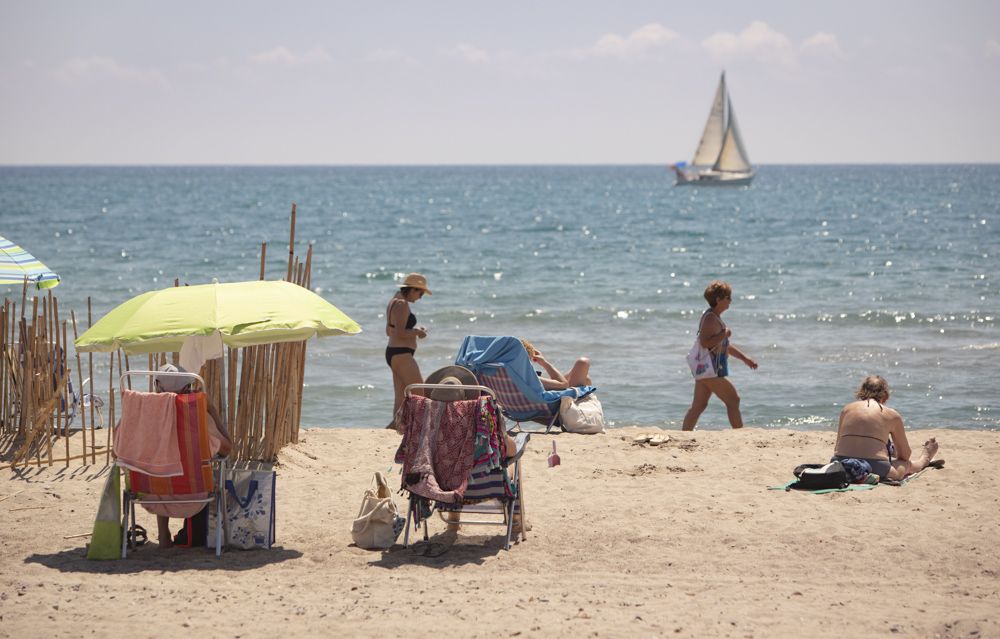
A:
(643, 40)
(823, 44)
(282, 56)
(469, 53)
(992, 49)
(81, 69)
(758, 42)
(390, 55)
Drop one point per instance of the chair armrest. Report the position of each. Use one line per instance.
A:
(520, 444)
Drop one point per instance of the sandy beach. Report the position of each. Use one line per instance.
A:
(681, 540)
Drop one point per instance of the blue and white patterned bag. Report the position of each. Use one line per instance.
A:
(249, 521)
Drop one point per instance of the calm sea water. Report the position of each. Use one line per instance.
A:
(838, 272)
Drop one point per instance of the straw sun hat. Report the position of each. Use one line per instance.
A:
(416, 280)
(455, 375)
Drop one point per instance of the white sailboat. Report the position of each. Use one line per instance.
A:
(721, 158)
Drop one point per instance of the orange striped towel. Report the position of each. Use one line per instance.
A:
(195, 453)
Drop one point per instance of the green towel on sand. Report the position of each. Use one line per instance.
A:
(106, 540)
(937, 463)
(822, 491)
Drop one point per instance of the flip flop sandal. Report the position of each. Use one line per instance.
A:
(137, 537)
(641, 439)
(658, 440)
(937, 463)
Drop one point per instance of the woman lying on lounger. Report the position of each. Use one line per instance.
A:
(579, 375)
(866, 428)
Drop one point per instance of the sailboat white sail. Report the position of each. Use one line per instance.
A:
(721, 157)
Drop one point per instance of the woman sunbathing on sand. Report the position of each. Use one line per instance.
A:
(866, 428)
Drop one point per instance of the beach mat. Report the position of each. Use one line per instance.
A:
(937, 463)
(821, 491)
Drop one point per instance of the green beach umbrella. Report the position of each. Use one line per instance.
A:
(242, 313)
(16, 264)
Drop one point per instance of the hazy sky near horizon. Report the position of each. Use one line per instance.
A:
(434, 82)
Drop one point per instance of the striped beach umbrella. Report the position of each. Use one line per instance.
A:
(16, 264)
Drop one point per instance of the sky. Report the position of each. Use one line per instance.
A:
(515, 82)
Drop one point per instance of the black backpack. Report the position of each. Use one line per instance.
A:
(820, 476)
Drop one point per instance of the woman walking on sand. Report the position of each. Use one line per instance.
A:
(714, 336)
(403, 332)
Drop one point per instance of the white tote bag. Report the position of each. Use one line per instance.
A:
(584, 415)
(378, 523)
(699, 358)
(700, 361)
(249, 517)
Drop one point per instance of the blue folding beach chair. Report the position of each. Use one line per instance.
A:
(502, 365)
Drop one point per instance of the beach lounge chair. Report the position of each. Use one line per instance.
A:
(470, 432)
(162, 446)
(502, 365)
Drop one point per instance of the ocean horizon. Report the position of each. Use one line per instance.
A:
(838, 271)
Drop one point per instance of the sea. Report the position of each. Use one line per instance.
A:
(838, 272)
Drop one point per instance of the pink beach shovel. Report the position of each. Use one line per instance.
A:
(554, 457)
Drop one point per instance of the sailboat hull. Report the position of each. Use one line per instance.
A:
(712, 178)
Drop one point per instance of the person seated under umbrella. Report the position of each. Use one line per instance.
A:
(219, 441)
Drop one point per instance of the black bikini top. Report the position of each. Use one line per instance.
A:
(411, 321)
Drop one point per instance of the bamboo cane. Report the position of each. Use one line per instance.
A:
(79, 380)
(291, 245)
(234, 358)
(111, 404)
(90, 376)
(250, 397)
(39, 339)
(64, 389)
(266, 384)
(277, 385)
(4, 369)
(24, 296)
(302, 358)
(54, 347)
(242, 422)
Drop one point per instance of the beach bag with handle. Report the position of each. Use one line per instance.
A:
(699, 358)
(700, 361)
(378, 523)
(821, 476)
(249, 516)
(585, 415)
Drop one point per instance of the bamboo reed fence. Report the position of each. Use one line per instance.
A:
(263, 385)
(41, 418)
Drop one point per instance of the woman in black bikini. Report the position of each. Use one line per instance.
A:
(401, 327)
(867, 425)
